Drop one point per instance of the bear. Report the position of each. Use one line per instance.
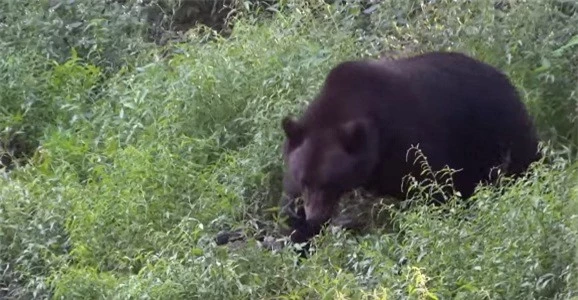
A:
(460, 112)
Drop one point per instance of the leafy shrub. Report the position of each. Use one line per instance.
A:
(545, 72)
(105, 34)
(143, 158)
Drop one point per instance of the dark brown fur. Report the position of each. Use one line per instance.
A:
(356, 133)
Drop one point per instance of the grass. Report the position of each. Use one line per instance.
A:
(140, 154)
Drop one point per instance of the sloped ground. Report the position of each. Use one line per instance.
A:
(145, 153)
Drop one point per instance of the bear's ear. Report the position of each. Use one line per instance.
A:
(354, 135)
(293, 130)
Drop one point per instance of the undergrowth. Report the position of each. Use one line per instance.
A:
(140, 154)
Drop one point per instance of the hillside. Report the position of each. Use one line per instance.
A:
(129, 142)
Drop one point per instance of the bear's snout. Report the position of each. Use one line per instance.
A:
(318, 208)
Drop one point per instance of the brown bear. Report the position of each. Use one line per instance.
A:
(460, 112)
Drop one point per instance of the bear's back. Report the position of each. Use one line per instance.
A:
(473, 111)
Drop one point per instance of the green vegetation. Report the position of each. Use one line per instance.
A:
(128, 156)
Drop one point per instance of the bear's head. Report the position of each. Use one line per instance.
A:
(325, 163)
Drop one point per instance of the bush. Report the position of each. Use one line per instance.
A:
(145, 153)
(545, 72)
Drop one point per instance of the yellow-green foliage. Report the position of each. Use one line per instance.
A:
(146, 152)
